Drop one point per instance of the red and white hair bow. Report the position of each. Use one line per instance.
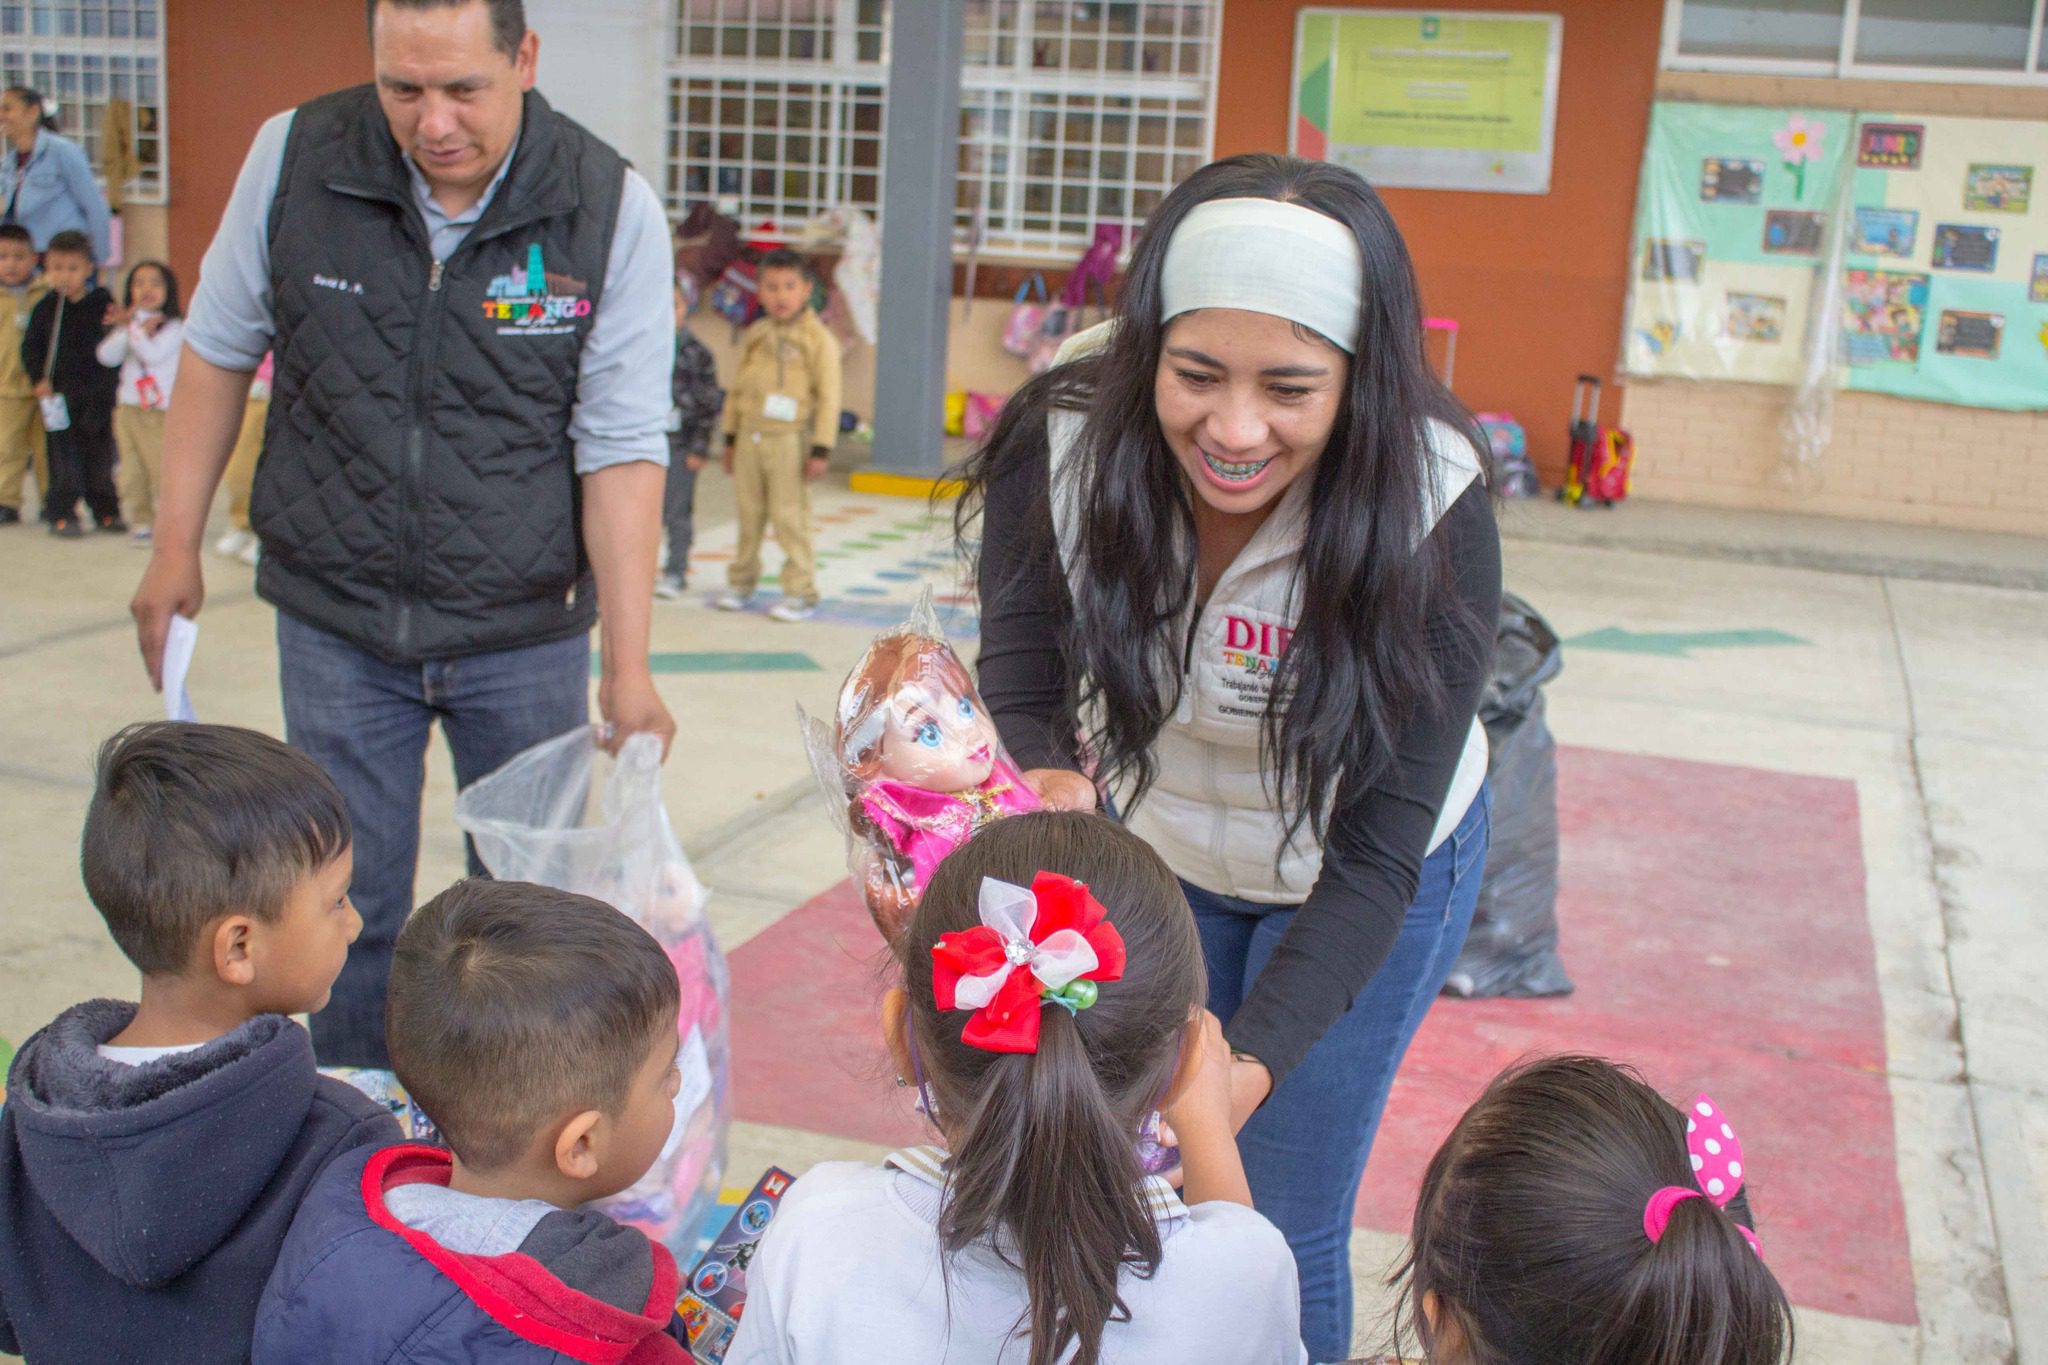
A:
(1049, 944)
(1716, 1156)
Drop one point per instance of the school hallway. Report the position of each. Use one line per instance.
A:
(1801, 793)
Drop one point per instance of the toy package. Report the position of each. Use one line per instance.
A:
(566, 815)
(715, 1292)
(912, 759)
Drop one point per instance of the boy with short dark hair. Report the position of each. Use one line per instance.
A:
(537, 1029)
(21, 432)
(152, 1155)
(60, 351)
(781, 421)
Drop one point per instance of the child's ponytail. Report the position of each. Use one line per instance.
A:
(1044, 1167)
(1564, 1219)
(1047, 1165)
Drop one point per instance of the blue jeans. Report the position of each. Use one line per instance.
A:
(366, 722)
(1305, 1149)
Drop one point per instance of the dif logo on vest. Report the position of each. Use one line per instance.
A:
(1254, 646)
(527, 303)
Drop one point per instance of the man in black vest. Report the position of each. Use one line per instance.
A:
(469, 299)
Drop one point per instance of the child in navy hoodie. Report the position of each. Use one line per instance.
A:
(537, 1029)
(152, 1155)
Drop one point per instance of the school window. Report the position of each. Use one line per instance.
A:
(1975, 41)
(1071, 114)
(84, 54)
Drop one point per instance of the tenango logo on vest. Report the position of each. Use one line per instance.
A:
(527, 300)
(1254, 646)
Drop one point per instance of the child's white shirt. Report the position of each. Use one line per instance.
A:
(849, 1271)
(137, 353)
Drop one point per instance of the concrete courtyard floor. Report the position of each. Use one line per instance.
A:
(1803, 800)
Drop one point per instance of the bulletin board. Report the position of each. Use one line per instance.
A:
(1939, 231)
(1425, 99)
(1730, 237)
(1945, 282)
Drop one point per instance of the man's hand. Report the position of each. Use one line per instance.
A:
(630, 705)
(1062, 789)
(694, 463)
(172, 585)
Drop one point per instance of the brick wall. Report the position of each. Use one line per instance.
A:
(1890, 459)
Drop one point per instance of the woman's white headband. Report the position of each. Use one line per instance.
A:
(1266, 257)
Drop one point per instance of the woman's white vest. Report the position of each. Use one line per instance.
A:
(1210, 814)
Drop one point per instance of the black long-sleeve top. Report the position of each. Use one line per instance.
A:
(1377, 836)
(87, 385)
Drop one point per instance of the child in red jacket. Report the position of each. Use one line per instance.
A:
(537, 1029)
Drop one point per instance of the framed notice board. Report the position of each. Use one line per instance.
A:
(1428, 99)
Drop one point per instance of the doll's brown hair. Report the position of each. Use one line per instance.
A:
(857, 739)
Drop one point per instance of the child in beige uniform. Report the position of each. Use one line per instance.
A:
(784, 397)
(144, 336)
(21, 428)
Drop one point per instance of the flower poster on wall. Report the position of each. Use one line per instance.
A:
(1732, 222)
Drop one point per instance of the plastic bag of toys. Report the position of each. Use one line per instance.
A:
(911, 765)
(567, 815)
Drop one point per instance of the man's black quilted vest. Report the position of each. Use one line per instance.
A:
(417, 493)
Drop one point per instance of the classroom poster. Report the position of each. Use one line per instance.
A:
(1732, 224)
(1428, 99)
(1978, 293)
(1942, 244)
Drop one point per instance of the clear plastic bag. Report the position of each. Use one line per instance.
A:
(566, 815)
(910, 765)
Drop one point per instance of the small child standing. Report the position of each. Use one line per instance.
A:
(21, 430)
(59, 351)
(784, 398)
(696, 396)
(1051, 1000)
(143, 339)
(240, 542)
(1575, 1215)
(537, 1029)
(152, 1154)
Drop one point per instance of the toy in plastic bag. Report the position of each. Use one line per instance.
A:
(912, 758)
(553, 815)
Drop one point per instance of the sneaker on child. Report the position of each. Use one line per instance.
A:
(231, 545)
(791, 609)
(733, 601)
(670, 587)
(141, 537)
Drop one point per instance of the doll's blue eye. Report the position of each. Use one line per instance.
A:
(928, 734)
(966, 709)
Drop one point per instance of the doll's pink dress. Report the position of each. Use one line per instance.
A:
(924, 825)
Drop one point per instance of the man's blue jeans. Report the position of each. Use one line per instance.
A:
(1305, 1149)
(366, 721)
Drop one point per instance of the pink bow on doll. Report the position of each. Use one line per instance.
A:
(1046, 945)
(1716, 1155)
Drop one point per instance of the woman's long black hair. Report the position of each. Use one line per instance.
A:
(1371, 578)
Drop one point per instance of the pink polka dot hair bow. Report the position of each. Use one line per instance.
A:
(1047, 945)
(1716, 1155)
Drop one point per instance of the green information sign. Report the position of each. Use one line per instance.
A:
(1429, 100)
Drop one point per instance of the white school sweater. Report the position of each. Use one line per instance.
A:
(850, 1272)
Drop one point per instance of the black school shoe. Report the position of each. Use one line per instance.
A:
(10, 516)
(66, 528)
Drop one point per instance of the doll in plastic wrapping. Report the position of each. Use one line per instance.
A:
(922, 766)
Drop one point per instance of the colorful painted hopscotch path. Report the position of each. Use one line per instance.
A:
(875, 555)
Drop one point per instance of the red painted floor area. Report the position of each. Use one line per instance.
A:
(1714, 921)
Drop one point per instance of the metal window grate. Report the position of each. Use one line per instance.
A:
(1072, 114)
(82, 53)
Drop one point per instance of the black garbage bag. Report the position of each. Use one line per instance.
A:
(1512, 949)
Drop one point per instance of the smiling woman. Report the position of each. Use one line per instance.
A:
(1239, 552)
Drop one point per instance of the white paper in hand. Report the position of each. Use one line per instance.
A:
(179, 643)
